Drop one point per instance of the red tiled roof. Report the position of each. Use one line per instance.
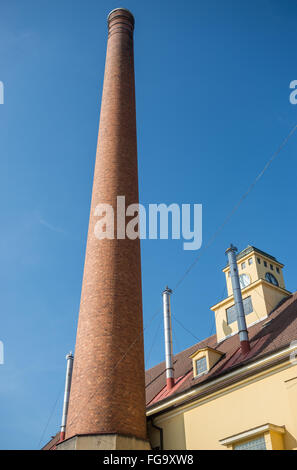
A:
(280, 330)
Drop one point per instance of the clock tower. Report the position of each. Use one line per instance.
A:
(262, 287)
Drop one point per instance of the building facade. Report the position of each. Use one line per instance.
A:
(222, 398)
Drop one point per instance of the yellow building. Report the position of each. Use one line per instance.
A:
(223, 399)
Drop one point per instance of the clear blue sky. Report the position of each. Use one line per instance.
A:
(212, 92)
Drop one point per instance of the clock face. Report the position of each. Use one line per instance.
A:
(244, 280)
(270, 278)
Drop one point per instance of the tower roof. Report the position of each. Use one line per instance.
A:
(250, 249)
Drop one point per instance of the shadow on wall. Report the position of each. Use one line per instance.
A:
(173, 433)
(289, 441)
(226, 328)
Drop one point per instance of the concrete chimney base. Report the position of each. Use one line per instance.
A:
(104, 442)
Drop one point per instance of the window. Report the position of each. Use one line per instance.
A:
(231, 311)
(204, 359)
(242, 265)
(277, 270)
(259, 261)
(265, 437)
(270, 278)
(253, 444)
(201, 365)
(265, 264)
(250, 261)
(271, 267)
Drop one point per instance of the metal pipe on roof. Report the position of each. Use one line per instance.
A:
(242, 328)
(168, 338)
(69, 359)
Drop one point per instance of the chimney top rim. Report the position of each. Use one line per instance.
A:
(121, 9)
(167, 290)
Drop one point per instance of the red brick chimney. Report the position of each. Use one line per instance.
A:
(107, 399)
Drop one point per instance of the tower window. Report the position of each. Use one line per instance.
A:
(250, 261)
(271, 267)
(265, 264)
(270, 278)
(232, 314)
(277, 270)
(201, 365)
(259, 261)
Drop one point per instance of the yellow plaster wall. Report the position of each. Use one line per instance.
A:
(173, 433)
(272, 296)
(213, 358)
(276, 441)
(291, 389)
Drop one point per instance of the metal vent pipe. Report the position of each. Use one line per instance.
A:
(242, 328)
(168, 338)
(69, 359)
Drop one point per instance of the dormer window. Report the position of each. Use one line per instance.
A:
(201, 365)
(204, 359)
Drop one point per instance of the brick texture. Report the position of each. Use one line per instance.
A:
(108, 390)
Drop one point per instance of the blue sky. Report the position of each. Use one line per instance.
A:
(212, 92)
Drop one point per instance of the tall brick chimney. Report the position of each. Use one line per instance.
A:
(107, 399)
